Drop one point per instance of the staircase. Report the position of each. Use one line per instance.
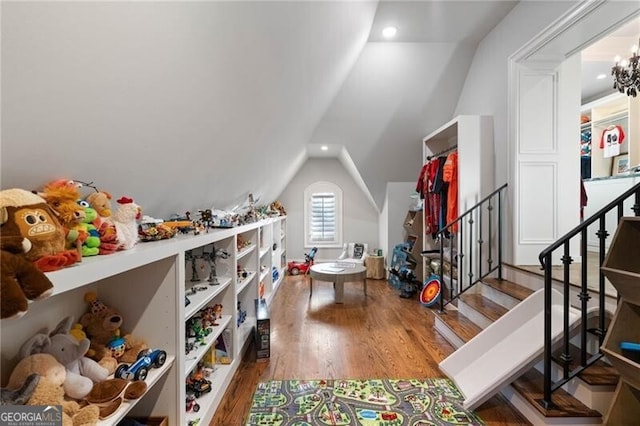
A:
(570, 382)
(584, 400)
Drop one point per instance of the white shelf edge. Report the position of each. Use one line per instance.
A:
(245, 251)
(246, 329)
(96, 268)
(201, 298)
(219, 382)
(245, 282)
(263, 252)
(193, 357)
(279, 280)
(153, 376)
(264, 274)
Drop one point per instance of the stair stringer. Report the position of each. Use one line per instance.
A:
(536, 418)
(488, 362)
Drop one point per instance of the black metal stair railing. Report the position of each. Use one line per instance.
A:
(472, 247)
(562, 250)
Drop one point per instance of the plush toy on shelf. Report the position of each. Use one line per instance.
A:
(126, 219)
(91, 237)
(48, 389)
(102, 324)
(21, 395)
(82, 372)
(62, 196)
(100, 201)
(24, 215)
(20, 281)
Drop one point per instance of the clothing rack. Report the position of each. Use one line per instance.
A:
(444, 151)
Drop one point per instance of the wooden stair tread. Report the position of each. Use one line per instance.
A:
(531, 386)
(483, 305)
(598, 374)
(462, 326)
(514, 290)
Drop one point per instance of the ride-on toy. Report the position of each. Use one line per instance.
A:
(296, 268)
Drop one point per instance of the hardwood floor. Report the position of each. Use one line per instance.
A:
(314, 338)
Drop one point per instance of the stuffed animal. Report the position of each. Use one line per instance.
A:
(26, 215)
(90, 236)
(125, 219)
(21, 395)
(20, 281)
(77, 332)
(49, 391)
(62, 196)
(100, 201)
(82, 372)
(102, 325)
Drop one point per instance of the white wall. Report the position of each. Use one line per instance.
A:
(178, 104)
(360, 217)
(485, 88)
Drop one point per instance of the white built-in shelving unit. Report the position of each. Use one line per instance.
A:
(148, 285)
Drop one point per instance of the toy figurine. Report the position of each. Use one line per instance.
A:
(190, 257)
(210, 258)
(206, 219)
(210, 314)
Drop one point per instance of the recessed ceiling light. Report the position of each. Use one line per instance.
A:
(601, 76)
(324, 148)
(389, 32)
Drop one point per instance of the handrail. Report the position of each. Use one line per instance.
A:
(585, 294)
(475, 206)
(460, 233)
(591, 220)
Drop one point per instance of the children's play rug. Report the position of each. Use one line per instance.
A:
(368, 402)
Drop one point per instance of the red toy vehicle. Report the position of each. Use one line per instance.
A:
(296, 268)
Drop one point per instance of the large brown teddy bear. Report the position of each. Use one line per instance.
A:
(49, 390)
(102, 325)
(27, 215)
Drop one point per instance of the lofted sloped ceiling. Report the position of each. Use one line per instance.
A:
(400, 90)
(187, 105)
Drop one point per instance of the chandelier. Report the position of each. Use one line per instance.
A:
(626, 75)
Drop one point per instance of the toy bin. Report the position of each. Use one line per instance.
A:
(626, 407)
(624, 328)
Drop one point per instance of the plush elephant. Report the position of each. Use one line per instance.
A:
(82, 371)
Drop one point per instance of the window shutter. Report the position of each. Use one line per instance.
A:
(323, 223)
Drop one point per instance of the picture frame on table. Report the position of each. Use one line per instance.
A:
(620, 165)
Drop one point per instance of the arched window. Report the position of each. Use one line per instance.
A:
(323, 215)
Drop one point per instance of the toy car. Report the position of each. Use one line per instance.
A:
(192, 404)
(295, 268)
(198, 386)
(139, 369)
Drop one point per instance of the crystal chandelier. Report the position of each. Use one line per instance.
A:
(626, 75)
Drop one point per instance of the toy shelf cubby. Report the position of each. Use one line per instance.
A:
(148, 285)
(413, 223)
(622, 268)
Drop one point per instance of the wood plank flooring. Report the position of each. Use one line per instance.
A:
(383, 336)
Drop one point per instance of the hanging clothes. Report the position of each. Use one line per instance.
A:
(432, 199)
(450, 175)
(421, 188)
(441, 187)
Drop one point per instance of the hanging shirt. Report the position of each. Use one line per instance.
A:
(432, 199)
(610, 141)
(450, 175)
(421, 187)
